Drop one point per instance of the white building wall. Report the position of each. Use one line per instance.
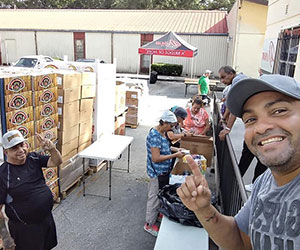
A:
(125, 50)
(232, 25)
(56, 44)
(16, 44)
(283, 14)
(212, 54)
(98, 45)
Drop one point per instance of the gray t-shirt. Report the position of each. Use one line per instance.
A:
(271, 216)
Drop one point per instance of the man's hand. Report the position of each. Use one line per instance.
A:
(46, 144)
(194, 192)
(223, 133)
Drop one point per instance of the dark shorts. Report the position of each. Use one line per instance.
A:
(41, 236)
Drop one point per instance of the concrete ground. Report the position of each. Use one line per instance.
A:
(94, 223)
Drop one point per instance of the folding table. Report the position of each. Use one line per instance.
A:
(109, 148)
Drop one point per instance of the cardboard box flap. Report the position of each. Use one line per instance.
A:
(201, 145)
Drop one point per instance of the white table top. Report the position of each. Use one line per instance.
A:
(107, 147)
(173, 235)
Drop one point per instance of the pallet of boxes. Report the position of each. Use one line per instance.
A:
(133, 101)
(120, 108)
(75, 109)
(31, 107)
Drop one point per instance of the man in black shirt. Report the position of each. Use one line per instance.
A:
(28, 200)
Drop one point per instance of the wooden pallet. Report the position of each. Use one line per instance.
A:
(99, 166)
(76, 183)
(70, 188)
(132, 125)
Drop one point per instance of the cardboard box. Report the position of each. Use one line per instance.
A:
(45, 96)
(71, 172)
(45, 110)
(133, 110)
(45, 81)
(68, 156)
(68, 122)
(68, 147)
(50, 174)
(50, 134)
(120, 125)
(66, 110)
(180, 167)
(132, 102)
(201, 145)
(68, 79)
(88, 91)
(133, 94)
(31, 143)
(19, 117)
(47, 123)
(26, 129)
(86, 127)
(120, 97)
(85, 115)
(18, 101)
(132, 119)
(17, 84)
(86, 104)
(84, 146)
(88, 78)
(83, 138)
(68, 95)
(65, 136)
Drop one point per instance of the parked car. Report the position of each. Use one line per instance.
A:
(39, 61)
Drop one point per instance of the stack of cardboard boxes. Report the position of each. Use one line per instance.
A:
(133, 98)
(120, 108)
(86, 104)
(19, 106)
(69, 86)
(31, 107)
(76, 98)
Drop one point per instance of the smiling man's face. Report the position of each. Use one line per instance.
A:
(272, 129)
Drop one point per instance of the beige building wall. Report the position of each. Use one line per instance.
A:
(56, 44)
(125, 50)
(250, 37)
(283, 14)
(16, 44)
(98, 45)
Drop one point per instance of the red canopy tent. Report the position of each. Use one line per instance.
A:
(169, 44)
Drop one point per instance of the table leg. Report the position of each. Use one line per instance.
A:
(185, 90)
(128, 157)
(109, 183)
(83, 179)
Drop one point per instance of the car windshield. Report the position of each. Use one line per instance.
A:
(26, 62)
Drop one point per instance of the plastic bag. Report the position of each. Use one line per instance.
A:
(174, 209)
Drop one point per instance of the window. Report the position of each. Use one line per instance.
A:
(287, 52)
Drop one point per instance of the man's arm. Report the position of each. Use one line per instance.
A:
(55, 159)
(47, 145)
(195, 195)
(228, 127)
(7, 240)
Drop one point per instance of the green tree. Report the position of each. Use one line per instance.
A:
(119, 4)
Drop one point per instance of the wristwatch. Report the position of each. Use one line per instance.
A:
(228, 129)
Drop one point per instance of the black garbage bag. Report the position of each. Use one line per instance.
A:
(174, 209)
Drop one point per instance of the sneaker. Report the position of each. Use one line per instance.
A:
(153, 229)
(159, 217)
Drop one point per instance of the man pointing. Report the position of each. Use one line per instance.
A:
(270, 109)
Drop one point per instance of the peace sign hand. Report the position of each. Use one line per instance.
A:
(194, 192)
(46, 144)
